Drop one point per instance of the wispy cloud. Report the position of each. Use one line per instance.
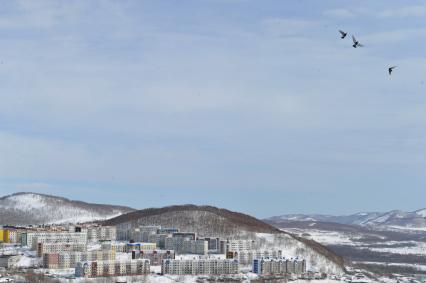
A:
(404, 12)
(340, 13)
(286, 26)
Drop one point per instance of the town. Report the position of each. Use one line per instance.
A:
(93, 251)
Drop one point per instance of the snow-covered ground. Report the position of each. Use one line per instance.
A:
(416, 266)
(414, 248)
(384, 246)
(327, 237)
(353, 239)
(407, 228)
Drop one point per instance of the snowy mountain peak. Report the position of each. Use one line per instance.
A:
(26, 201)
(33, 208)
(421, 212)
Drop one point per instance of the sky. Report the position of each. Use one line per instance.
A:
(254, 106)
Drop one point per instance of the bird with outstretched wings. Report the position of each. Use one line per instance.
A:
(343, 34)
(356, 43)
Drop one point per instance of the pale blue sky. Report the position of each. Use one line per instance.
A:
(255, 106)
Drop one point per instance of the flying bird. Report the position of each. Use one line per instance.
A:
(356, 43)
(390, 69)
(344, 34)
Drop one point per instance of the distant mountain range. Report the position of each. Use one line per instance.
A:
(34, 209)
(395, 219)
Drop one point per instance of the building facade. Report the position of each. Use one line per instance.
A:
(118, 247)
(31, 239)
(275, 266)
(101, 233)
(70, 259)
(45, 248)
(182, 245)
(199, 266)
(141, 247)
(240, 245)
(155, 257)
(246, 257)
(92, 269)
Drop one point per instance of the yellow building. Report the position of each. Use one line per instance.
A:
(6, 236)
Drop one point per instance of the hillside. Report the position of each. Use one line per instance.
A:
(33, 208)
(395, 219)
(212, 221)
(195, 218)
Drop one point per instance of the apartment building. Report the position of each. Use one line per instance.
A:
(246, 257)
(158, 239)
(101, 233)
(31, 239)
(241, 245)
(274, 266)
(199, 266)
(139, 234)
(118, 247)
(69, 259)
(184, 245)
(155, 257)
(140, 247)
(92, 269)
(216, 245)
(44, 248)
(10, 235)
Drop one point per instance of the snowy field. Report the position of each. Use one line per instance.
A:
(354, 239)
(384, 251)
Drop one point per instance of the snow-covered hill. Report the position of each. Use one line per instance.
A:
(208, 221)
(395, 219)
(32, 208)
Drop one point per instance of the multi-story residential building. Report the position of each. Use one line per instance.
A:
(142, 233)
(141, 247)
(44, 248)
(101, 233)
(139, 234)
(158, 239)
(155, 257)
(199, 266)
(240, 245)
(79, 238)
(32, 238)
(14, 236)
(69, 259)
(10, 235)
(183, 245)
(185, 235)
(91, 269)
(51, 260)
(273, 266)
(246, 257)
(118, 247)
(216, 245)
